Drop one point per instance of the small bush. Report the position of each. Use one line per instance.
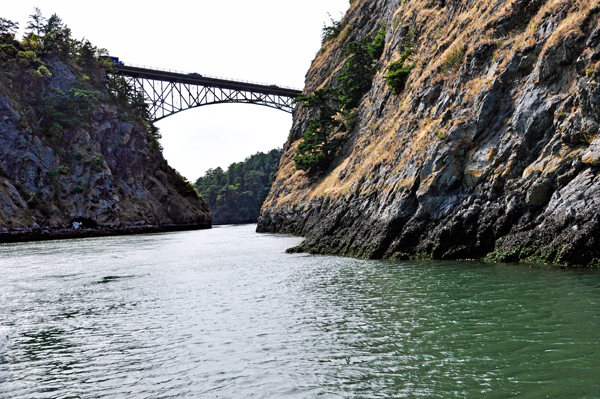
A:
(397, 76)
(399, 71)
(81, 188)
(42, 72)
(588, 137)
(590, 72)
(27, 58)
(183, 186)
(332, 31)
(96, 163)
(349, 119)
(86, 95)
(56, 131)
(60, 170)
(32, 200)
(440, 135)
(454, 59)
(63, 170)
(378, 45)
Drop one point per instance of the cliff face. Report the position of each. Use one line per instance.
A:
(107, 177)
(491, 150)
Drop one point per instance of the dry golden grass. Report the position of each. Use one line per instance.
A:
(385, 142)
(344, 35)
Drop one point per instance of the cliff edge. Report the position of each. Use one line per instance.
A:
(490, 148)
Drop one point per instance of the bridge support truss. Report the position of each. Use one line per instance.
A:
(168, 93)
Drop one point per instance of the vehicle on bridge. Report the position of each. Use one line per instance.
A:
(194, 75)
(114, 60)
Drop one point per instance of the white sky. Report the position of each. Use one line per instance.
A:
(267, 41)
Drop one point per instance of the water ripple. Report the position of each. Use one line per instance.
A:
(226, 313)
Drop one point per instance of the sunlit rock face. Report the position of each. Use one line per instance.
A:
(491, 150)
(106, 178)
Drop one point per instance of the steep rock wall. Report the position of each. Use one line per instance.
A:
(492, 150)
(107, 178)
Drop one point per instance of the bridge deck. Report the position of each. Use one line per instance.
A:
(196, 79)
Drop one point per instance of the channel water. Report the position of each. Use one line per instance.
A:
(225, 313)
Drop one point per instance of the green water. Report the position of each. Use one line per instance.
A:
(226, 313)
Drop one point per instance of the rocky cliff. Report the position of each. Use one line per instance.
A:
(491, 150)
(95, 170)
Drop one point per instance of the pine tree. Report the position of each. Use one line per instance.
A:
(36, 24)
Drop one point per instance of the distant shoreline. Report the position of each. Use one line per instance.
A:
(29, 235)
(241, 221)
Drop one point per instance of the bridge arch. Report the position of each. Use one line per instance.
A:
(168, 93)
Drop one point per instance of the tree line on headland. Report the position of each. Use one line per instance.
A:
(236, 195)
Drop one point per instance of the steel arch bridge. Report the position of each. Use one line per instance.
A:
(168, 92)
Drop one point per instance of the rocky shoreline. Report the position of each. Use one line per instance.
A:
(27, 235)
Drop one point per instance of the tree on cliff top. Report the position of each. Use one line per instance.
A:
(26, 64)
(36, 24)
(8, 27)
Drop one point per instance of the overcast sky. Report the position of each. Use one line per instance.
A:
(267, 41)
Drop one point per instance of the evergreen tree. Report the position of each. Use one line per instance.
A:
(337, 105)
(7, 27)
(36, 24)
(54, 24)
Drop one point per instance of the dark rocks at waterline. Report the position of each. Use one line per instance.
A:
(39, 234)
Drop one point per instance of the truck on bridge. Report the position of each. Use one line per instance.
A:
(114, 60)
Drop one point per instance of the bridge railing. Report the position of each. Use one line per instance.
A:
(207, 76)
